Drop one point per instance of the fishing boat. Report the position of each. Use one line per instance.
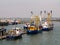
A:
(14, 34)
(3, 23)
(34, 26)
(33, 30)
(47, 25)
(13, 22)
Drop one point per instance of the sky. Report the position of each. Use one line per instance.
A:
(22, 8)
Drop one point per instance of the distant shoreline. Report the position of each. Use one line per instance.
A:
(56, 20)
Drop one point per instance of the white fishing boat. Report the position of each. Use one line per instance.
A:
(15, 33)
(47, 25)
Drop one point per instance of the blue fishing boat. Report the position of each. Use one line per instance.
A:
(34, 26)
(33, 30)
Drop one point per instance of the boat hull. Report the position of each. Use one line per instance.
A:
(47, 29)
(4, 23)
(13, 37)
(34, 32)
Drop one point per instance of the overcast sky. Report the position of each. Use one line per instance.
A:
(22, 8)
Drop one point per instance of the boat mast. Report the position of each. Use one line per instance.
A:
(35, 20)
(49, 18)
(31, 20)
(40, 17)
(45, 14)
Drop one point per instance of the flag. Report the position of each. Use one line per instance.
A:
(40, 12)
(44, 11)
(51, 11)
(31, 12)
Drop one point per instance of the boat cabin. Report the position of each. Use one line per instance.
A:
(32, 28)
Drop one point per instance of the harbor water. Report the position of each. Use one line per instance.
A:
(45, 38)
